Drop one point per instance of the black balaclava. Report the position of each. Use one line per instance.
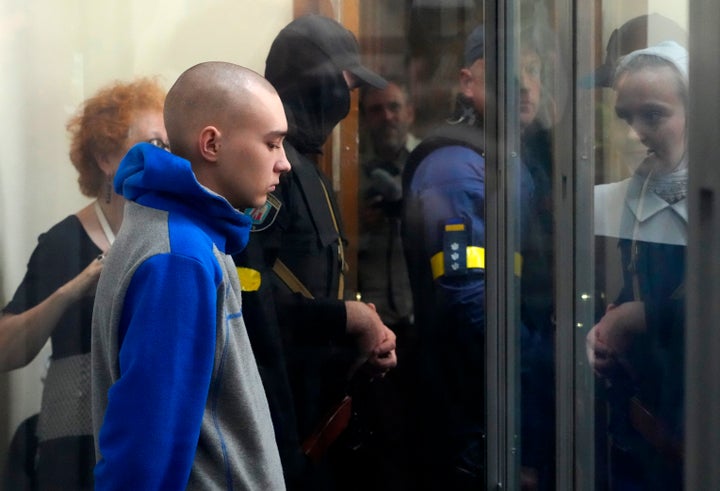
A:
(305, 64)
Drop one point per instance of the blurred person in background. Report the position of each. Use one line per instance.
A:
(386, 117)
(637, 347)
(444, 239)
(443, 218)
(55, 298)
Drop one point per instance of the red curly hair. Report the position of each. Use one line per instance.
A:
(100, 127)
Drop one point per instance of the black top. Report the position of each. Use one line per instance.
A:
(61, 254)
(64, 462)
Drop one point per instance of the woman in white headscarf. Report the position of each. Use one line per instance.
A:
(638, 344)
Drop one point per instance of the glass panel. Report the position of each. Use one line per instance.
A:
(426, 209)
(534, 81)
(636, 347)
(510, 215)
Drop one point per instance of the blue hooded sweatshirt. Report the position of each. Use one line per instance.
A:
(177, 399)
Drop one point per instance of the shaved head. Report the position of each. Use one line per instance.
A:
(230, 124)
(209, 94)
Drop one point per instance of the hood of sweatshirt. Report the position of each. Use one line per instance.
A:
(156, 178)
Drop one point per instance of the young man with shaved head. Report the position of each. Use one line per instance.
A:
(177, 398)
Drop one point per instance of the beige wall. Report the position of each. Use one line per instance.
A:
(54, 54)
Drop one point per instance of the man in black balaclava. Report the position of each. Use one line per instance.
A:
(297, 309)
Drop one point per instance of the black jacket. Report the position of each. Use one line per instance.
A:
(300, 342)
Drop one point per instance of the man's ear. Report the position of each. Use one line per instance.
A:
(209, 143)
(466, 79)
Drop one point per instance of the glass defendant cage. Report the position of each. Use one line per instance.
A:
(591, 365)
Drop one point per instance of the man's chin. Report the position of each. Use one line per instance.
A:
(526, 119)
(256, 204)
(392, 145)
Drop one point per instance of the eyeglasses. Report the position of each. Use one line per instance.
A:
(159, 143)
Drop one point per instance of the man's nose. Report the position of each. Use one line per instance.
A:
(283, 166)
(525, 79)
(636, 132)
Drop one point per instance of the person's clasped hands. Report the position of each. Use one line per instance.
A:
(374, 340)
(611, 341)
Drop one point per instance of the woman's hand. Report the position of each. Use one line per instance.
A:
(22, 336)
(84, 284)
(611, 341)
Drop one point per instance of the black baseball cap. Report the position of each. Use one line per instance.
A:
(336, 42)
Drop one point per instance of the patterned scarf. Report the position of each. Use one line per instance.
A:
(671, 187)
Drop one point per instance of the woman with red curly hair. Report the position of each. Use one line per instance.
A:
(55, 298)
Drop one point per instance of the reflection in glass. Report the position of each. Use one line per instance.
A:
(537, 331)
(636, 348)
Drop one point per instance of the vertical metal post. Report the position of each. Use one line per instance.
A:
(577, 435)
(565, 236)
(702, 327)
(496, 391)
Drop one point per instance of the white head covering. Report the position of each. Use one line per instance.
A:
(667, 50)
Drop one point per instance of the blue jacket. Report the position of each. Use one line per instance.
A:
(177, 399)
(443, 232)
(444, 241)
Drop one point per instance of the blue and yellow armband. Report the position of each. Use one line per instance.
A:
(458, 257)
